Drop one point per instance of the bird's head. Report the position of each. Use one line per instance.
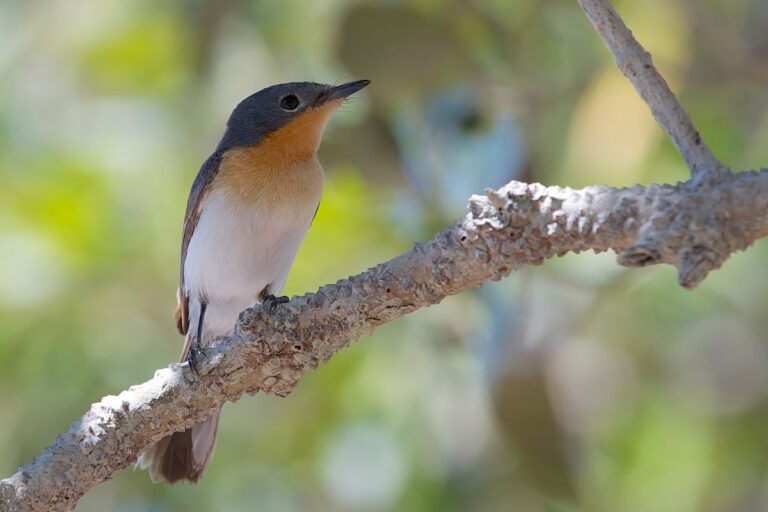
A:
(289, 116)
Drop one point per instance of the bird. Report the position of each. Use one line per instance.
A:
(249, 209)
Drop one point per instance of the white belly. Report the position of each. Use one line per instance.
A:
(236, 251)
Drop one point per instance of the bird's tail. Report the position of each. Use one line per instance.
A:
(182, 455)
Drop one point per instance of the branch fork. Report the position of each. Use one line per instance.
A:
(694, 226)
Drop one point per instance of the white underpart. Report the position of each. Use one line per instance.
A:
(236, 251)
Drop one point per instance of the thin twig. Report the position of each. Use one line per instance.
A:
(637, 65)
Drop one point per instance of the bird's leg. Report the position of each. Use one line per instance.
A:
(196, 350)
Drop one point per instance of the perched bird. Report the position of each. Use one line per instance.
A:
(249, 209)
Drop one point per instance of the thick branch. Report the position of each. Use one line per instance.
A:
(695, 227)
(636, 63)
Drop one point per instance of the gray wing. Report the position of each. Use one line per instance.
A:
(200, 188)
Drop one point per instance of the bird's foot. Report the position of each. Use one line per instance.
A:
(196, 352)
(270, 302)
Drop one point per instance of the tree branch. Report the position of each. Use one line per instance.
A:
(694, 226)
(637, 65)
(517, 225)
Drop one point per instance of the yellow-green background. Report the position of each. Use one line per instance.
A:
(572, 386)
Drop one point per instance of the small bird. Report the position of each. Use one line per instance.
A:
(249, 209)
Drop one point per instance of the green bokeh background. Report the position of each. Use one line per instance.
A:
(576, 385)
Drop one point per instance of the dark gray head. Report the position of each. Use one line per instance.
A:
(270, 109)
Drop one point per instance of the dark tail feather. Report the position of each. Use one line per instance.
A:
(182, 455)
(177, 462)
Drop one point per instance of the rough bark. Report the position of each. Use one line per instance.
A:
(694, 226)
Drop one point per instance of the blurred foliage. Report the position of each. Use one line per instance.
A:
(573, 386)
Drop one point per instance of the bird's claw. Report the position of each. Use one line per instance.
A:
(270, 302)
(195, 353)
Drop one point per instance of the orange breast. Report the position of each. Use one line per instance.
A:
(282, 168)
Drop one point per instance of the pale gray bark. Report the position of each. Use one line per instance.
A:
(694, 226)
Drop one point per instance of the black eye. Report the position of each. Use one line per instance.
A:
(290, 102)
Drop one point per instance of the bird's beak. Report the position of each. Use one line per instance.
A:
(345, 90)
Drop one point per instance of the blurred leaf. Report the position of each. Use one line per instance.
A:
(386, 44)
(143, 56)
(526, 413)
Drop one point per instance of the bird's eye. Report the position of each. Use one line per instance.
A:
(290, 102)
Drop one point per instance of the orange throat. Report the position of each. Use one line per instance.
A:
(300, 138)
(283, 167)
